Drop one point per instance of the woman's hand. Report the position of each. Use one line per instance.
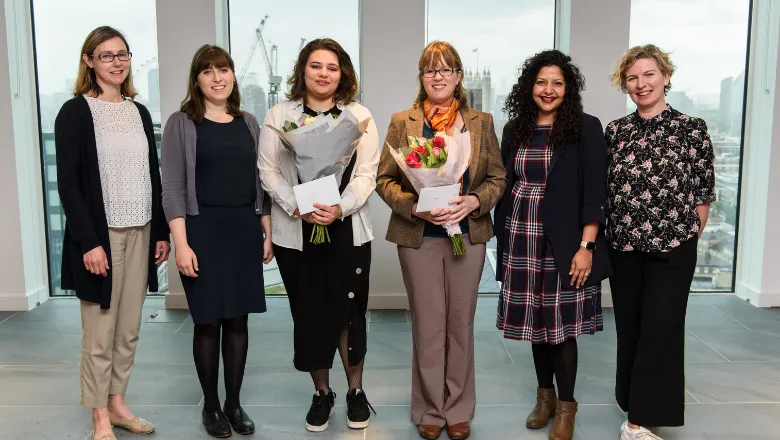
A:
(308, 218)
(462, 206)
(580, 267)
(268, 250)
(186, 261)
(96, 261)
(438, 216)
(325, 215)
(161, 251)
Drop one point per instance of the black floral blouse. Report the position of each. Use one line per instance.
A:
(659, 170)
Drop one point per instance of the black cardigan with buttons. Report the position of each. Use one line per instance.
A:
(81, 198)
(575, 194)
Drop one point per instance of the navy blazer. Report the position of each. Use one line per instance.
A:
(575, 194)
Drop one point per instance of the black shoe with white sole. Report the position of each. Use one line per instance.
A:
(358, 415)
(321, 409)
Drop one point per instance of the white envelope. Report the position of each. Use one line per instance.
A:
(437, 197)
(324, 191)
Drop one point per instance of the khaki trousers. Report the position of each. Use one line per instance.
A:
(109, 337)
(442, 290)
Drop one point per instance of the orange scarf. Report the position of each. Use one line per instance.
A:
(441, 117)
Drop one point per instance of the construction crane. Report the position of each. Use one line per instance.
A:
(271, 64)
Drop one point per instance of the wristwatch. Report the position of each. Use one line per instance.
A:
(589, 245)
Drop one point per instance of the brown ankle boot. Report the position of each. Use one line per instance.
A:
(563, 428)
(544, 409)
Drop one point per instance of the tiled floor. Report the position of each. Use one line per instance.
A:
(733, 373)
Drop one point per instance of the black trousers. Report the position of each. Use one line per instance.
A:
(650, 295)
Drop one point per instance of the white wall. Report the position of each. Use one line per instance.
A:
(389, 85)
(758, 257)
(22, 237)
(595, 49)
(182, 27)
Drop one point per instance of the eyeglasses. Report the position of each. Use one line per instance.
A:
(107, 57)
(445, 72)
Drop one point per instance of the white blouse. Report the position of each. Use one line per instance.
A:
(123, 159)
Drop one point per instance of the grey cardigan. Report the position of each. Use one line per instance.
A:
(178, 167)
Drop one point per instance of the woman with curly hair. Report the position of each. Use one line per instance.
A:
(549, 229)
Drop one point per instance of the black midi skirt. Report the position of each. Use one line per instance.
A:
(228, 243)
(327, 286)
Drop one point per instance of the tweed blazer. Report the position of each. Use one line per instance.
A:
(487, 178)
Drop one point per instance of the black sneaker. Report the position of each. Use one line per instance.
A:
(357, 409)
(320, 411)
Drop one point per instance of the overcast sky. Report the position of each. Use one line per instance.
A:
(707, 38)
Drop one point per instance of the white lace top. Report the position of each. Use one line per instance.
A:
(123, 158)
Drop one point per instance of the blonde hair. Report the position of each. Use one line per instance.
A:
(86, 82)
(618, 75)
(434, 52)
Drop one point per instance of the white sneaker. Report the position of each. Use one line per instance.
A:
(627, 433)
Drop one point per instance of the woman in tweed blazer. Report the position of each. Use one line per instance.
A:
(442, 287)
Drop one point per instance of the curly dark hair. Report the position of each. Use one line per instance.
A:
(523, 111)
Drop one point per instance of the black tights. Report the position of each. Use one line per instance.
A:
(560, 361)
(205, 349)
(321, 378)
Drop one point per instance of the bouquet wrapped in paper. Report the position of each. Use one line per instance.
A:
(322, 146)
(436, 162)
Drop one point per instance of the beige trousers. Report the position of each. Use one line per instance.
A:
(442, 290)
(109, 337)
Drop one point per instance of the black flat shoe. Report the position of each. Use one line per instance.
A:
(216, 424)
(240, 422)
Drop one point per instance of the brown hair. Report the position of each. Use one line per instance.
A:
(209, 56)
(434, 52)
(348, 85)
(618, 75)
(86, 82)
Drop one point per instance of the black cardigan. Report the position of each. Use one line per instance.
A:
(575, 194)
(81, 197)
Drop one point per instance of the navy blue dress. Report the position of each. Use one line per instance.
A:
(226, 235)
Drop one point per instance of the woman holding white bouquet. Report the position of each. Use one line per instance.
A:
(326, 282)
(441, 282)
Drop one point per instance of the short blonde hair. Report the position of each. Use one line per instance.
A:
(432, 54)
(618, 75)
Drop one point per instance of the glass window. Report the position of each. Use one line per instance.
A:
(59, 31)
(264, 64)
(708, 44)
(493, 38)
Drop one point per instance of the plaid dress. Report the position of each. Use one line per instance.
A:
(533, 306)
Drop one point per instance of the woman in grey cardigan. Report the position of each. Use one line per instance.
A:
(210, 149)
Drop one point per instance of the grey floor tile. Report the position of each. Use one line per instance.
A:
(710, 318)
(728, 422)
(166, 316)
(39, 354)
(742, 345)
(70, 423)
(18, 347)
(39, 386)
(398, 327)
(388, 316)
(734, 382)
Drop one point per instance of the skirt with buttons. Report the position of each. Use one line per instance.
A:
(327, 286)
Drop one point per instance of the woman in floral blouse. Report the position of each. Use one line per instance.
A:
(661, 184)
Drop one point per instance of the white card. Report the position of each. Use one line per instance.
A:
(324, 191)
(437, 197)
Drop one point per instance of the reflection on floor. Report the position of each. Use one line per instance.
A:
(733, 377)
